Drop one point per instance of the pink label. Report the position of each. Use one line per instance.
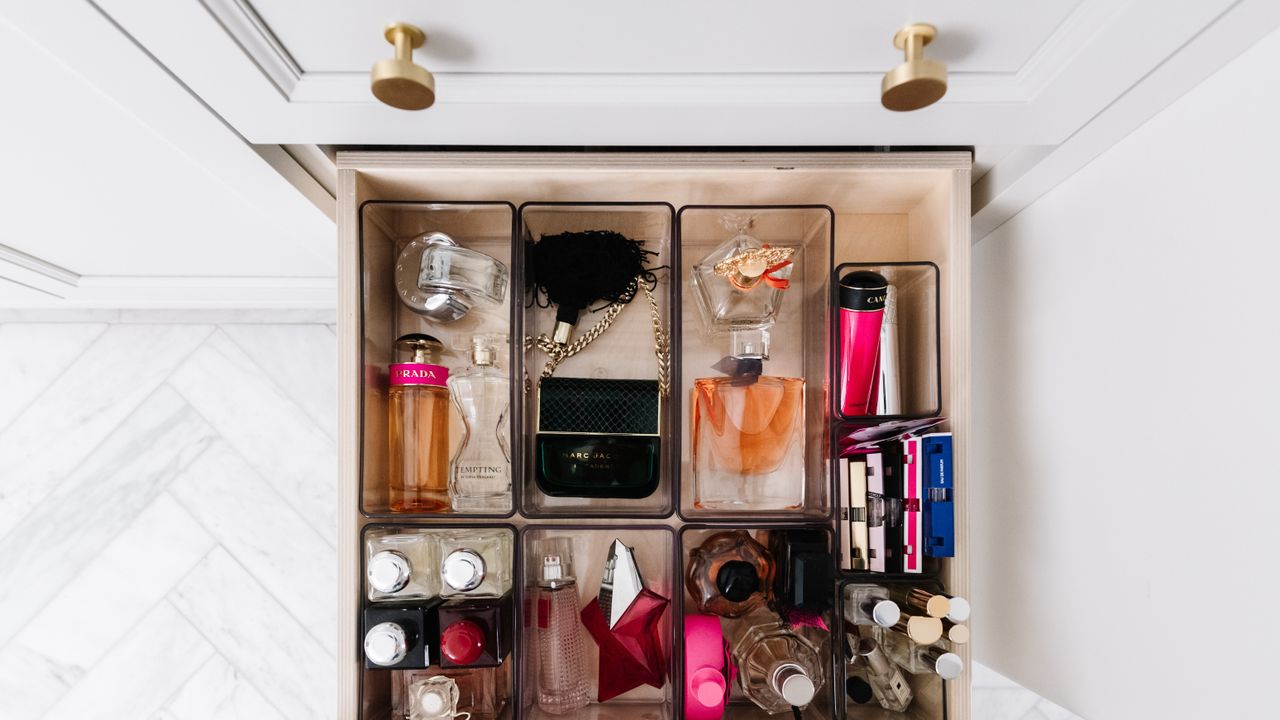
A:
(418, 374)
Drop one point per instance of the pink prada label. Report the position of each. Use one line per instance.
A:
(418, 374)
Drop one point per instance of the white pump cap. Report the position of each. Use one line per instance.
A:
(886, 613)
(949, 666)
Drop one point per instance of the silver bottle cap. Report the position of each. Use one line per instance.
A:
(389, 571)
(463, 570)
(948, 666)
(386, 644)
(794, 686)
(621, 584)
(959, 610)
(886, 613)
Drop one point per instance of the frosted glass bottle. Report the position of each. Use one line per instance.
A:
(558, 633)
(480, 472)
(778, 667)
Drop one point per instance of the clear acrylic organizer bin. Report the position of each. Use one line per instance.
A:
(626, 351)
(589, 546)
(386, 228)
(761, 448)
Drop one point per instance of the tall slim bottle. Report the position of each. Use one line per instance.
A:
(418, 428)
(480, 473)
(862, 299)
(558, 634)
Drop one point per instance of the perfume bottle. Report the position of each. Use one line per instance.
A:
(730, 574)
(476, 632)
(418, 428)
(919, 629)
(557, 632)
(739, 285)
(429, 696)
(921, 659)
(870, 605)
(475, 562)
(805, 566)
(919, 600)
(440, 694)
(707, 669)
(437, 278)
(887, 682)
(480, 475)
(401, 566)
(862, 299)
(401, 636)
(857, 686)
(778, 667)
(748, 433)
(626, 623)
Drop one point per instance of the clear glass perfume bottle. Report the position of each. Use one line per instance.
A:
(935, 659)
(730, 574)
(778, 667)
(480, 475)
(475, 562)
(888, 685)
(437, 278)
(437, 694)
(401, 566)
(418, 428)
(870, 605)
(739, 285)
(748, 434)
(558, 636)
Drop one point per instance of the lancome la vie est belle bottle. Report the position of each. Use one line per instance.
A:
(480, 473)
(418, 428)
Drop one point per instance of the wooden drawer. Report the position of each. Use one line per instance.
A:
(888, 207)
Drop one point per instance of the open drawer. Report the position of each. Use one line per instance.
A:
(854, 207)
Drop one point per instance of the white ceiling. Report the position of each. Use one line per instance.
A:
(97, 200)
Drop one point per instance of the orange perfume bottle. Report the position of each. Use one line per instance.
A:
(418, 428)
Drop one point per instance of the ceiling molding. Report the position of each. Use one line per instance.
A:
(179, 292)
(253, 36)
(44, 268)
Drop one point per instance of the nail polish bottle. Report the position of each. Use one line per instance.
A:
(730, 574)
(476, 632)
(475, 562)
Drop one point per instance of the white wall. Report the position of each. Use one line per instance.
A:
(1127, 468)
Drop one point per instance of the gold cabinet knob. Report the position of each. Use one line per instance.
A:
(399, 81)
(918, 82)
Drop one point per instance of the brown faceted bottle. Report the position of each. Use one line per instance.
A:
(730, 574)
(418, 428)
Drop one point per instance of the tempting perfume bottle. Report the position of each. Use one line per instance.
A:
(730, 574)
(778, 667)
(437, 278)
(401, 566)
(418, 428)
(475, 562)
(480, 475)
(625, 621)
(747, 427)
(557, 633)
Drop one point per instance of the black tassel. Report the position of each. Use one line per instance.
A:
(576, 270)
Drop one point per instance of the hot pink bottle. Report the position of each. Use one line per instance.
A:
(862, 300)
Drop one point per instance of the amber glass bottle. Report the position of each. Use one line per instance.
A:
(418, 428)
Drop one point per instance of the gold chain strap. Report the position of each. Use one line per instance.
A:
(558, 352)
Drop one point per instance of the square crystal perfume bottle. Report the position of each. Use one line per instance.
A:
(475, 562)
(401, 566)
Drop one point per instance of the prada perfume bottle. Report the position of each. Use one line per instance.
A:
(475, 562)
(480, 474)
(778, 667)
(870, 605)
(556, 631)
(418, 428)
(747, 427)
(401, 566)
(730, 574)
(401, 636)
(441, 280)
(476, 632)
(625, 622)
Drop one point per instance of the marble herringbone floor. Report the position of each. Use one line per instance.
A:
(167, 520)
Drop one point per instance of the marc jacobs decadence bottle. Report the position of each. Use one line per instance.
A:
(418, 428)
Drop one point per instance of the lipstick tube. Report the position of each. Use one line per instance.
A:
(862, 301)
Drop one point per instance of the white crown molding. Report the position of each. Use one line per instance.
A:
(177, 292)
(244, 25)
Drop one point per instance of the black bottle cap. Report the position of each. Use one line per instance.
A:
(737, 580)
(858, 690)
(863, 290)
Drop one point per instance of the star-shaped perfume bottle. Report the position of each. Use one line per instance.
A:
(624, 622)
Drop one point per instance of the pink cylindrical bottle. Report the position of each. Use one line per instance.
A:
(862, 299)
